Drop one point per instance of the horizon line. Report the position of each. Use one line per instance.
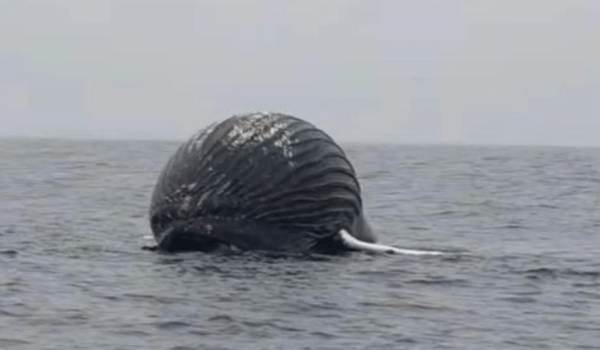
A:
(342, 142)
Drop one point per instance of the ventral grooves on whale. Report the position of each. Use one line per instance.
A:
(258, 181)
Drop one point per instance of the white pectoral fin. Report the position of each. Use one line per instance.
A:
(355, 244)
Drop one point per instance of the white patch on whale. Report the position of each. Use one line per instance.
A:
(197, 140)
(259, 127)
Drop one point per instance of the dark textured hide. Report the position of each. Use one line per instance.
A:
(259, 181)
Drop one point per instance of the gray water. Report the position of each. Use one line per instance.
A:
(519, 228)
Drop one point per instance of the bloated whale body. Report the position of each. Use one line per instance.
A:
(260, 181)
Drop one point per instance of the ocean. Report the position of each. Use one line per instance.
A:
(518, 228)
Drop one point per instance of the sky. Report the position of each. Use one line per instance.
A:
(401, 71)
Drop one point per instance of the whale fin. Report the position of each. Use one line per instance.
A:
(352, 243)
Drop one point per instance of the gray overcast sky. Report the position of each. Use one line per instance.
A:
(479, 71)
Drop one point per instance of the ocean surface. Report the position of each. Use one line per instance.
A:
(518, 228)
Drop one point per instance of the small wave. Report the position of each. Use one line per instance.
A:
(552, 273)
(9, 314)
(460, 213)
(512, 227)
(274, 324)
(445, 213)
(9, 230)
(583, 273)
(418, 228)
(588, 294)
(547, 206)
(323, 335)
(421, 305)
(171, 325)
(520, 299)
(9, 252)
(154, 298)
(540, 273)
(438, 281)
(13, 342)
(132, 332)
(221, 318)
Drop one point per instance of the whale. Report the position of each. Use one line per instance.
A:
(261, 181)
